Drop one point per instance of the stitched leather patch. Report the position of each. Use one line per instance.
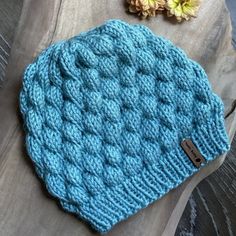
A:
(192, 152)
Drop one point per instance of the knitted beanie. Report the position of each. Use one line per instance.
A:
(115, 118)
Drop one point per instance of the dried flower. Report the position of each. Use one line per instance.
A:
(182, 9)
(146, 8)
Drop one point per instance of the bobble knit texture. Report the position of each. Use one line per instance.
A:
(104, 116)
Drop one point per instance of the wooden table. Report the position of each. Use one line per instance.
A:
(25, 206)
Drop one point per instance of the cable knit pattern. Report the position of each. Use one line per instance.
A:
(105, 112)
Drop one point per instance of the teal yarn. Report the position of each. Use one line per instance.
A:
(104, 114)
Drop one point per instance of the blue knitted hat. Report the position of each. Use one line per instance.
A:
(106, 113)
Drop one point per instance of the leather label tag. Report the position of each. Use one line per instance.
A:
(192, 152)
